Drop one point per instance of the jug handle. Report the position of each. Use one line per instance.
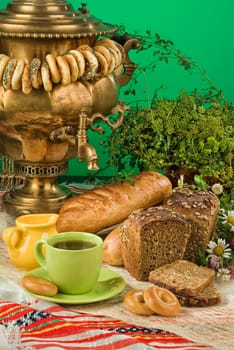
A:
(40, 257)
(12, 236)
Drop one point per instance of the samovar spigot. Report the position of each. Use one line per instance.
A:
(85, 151)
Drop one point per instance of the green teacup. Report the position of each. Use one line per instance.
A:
(73, 260)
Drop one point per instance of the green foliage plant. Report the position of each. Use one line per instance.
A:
(179, 136)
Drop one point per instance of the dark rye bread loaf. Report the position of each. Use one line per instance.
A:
(201, 209)
(151, 238)
(210, 296)
(183, 277)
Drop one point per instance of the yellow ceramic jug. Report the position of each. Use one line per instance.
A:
(21, 239)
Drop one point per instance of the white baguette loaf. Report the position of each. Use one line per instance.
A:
(103, 207)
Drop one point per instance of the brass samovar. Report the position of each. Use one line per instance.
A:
(60, 73)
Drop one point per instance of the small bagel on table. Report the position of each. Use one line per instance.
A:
(134, 301)
(162, 301)
(153, 300)
(39, 285)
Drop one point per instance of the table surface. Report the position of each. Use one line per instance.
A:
(27, 322)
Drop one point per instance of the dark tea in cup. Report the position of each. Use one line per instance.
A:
(74, 245)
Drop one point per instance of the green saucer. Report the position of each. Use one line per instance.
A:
(108, 286)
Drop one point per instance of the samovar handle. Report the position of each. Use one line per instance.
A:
(128, 65)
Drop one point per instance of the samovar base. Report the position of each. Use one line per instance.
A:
(39, 193)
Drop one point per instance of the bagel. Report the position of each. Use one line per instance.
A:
(39, 285)
(4, 59)
(108, 56)
(34, 69)
(114, 47)
(91, 66)
(114, 57)
(73, 67)
(162, 301)
(135, 303)
(54, 71)
(64, 69)
(16, 79)
(112, 64)
(80, 61)
(45, 76)
(26, 81)
(7, 75)
(103, 64)
(104, 51)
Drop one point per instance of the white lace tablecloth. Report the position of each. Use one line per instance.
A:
(212, 326)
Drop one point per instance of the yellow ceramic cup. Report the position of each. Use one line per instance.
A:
(21, 238)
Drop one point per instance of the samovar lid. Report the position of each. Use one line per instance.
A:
(49, 19)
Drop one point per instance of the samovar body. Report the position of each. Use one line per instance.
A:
(56, 81)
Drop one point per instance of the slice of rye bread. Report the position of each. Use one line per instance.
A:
(208, 297)
(151, 238)
(183, 277)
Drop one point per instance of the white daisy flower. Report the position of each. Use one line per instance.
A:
(227, 218)
(223, 275)
(219, 248)
(217, 188)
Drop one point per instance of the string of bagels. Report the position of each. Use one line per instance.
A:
(84, 62)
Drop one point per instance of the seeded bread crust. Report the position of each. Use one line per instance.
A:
(183, 277)
(151, 238)
(201, 209)
(210, 296)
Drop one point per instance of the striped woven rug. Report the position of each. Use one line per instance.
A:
(23, 327)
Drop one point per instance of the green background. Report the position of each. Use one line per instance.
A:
(201, 29)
